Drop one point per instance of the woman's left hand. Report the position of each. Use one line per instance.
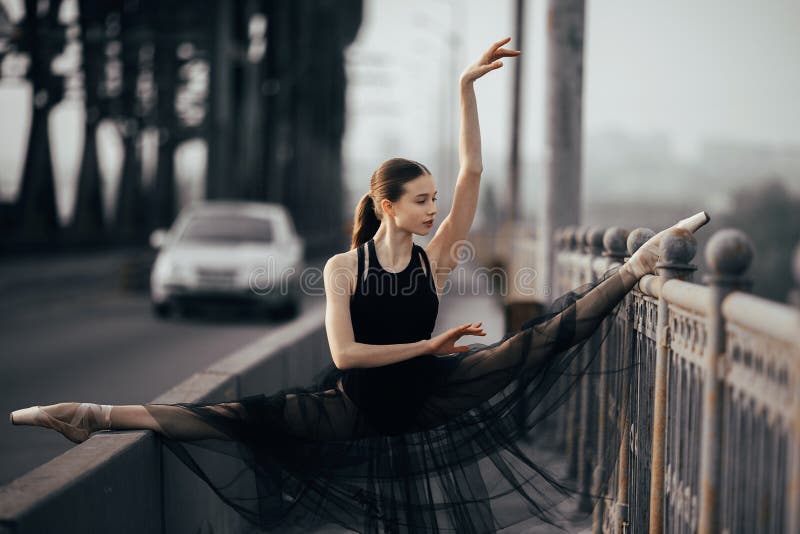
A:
(489, 60)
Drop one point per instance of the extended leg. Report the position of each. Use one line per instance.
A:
(309, 415)
(76, 421)
(481, 375)
(312, 415)
(174, 422)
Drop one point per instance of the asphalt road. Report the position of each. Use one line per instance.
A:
(94, 343)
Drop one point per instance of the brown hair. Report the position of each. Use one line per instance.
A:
(386, 183)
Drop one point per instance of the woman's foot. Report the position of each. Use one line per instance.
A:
(76, 421)
(644, 260)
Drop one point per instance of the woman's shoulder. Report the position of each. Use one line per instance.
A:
(344, 264)
(348, 260)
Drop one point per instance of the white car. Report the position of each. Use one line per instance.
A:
(245, 252)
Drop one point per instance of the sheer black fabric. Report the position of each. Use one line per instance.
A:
(434, 448)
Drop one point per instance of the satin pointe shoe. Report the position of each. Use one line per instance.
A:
(86, 418)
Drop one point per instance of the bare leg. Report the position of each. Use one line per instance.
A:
(76, 421)
(314, 415)
(174, 422)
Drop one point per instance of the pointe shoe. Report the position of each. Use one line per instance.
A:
(77, 430)
(644, 260)
(695, 222)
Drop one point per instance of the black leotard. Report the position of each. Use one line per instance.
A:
(388, 308)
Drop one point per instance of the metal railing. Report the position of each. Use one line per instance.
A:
(711, 406)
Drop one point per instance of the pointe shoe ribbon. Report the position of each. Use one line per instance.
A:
(77, 430)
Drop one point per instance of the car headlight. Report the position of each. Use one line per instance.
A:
(167, 270)
(179, 272)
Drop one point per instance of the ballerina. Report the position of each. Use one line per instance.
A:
(403, 430)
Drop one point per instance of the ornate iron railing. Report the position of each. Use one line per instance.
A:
(711, 406)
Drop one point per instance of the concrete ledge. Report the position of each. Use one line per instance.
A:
(204, 386)
(125, 481)
(772, 319)
(687, 295)
(90, 488)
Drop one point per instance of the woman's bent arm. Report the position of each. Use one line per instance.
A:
(360, 355)
(345, 350)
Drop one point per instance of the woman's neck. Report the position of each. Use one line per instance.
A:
(393, 246)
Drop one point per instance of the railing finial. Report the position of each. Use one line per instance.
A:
(676, 251)
(615, 243)
(564, 237)
(568, 237)
(729, 253)
(580, 238)
(594, 240)
(637, 238)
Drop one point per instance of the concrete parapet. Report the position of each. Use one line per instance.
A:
(111, 482)
(125, 481)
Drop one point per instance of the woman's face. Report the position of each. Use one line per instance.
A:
(416, 207)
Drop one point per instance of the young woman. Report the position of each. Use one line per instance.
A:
(404, 431)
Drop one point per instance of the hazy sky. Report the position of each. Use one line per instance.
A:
(691, 69)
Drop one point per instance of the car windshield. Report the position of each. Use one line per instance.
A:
(228, 228)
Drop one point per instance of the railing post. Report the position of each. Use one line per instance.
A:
(677, 249)
(794, 459)
(563, 280)
(568, 248)
(728, 253)
(614, 244)
(573, 403)
(794, 298)
(588, 420)
(636, 239)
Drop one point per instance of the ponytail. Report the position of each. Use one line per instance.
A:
(365, 222)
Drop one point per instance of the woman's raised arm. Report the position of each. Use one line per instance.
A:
(456, 225)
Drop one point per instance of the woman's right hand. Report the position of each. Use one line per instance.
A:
(445, 343)
(488, 61)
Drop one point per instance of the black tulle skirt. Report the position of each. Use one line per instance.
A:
(451, 460)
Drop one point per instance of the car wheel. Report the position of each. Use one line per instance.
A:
(162, 310)
(186, 310)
